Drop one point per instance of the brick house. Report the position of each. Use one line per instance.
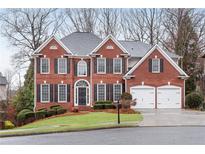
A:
(81, 68)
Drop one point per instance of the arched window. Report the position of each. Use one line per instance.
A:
(82, 68)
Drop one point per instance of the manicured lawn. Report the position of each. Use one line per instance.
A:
(92, 120)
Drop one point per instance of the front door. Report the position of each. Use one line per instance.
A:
(82, 95)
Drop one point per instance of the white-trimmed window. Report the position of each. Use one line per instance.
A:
(101, 65)
(117, 65)
(45, 66)
(155, 65)
(117, 91)
(62, 93)
(82, 68)
(101, 92)
(45, 92)
(62, 65)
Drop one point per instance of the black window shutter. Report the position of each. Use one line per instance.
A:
(95, 92)
(88, 68)
(107, 65)
(38, 64)
(95, 65)
(56, 93)
(150, 65)
(161, 65)
(75, 68)
(123, 65)
(111, 91)
(68, 93)
(68, 65)
(123, 87)
(107, 92)
(56, 66)
(51, 92)
(111, 65)
(38, 92)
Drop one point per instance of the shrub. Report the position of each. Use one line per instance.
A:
(40, 114)
(194, 100)
(55, 106)
(8, 124)
(103, 102)
(51, 112)
(21, 116)
(43, 109)
(98, 106)
(109, 106)
(61, 111)
(126, 96)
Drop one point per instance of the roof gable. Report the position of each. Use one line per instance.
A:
(114, 40)
(38, 50)
(163, 54)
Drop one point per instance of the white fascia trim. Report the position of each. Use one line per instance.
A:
(114, 40)
(48, 40)
(164, 54)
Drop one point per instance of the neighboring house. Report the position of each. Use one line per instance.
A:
(81, 69)
(3, 88)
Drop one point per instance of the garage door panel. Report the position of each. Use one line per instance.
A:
(169, 97)
(145, 97)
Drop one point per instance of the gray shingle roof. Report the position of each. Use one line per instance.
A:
(82, 43)
(3, 80)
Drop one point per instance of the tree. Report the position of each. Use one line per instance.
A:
(184, 37)
(143, 25)
(81, 20)
(27, 29)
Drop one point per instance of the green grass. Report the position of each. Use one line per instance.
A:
(92, 120)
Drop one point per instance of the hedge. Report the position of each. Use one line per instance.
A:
(61, 111)
(41, 114)
(23, 114)
(103, 102)
(103, 106)
(51, 112)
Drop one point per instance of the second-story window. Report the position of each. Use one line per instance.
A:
(117, 65)
(62, 65)
(155, 65)
(44, 65)
(82, 68)
(101, 65)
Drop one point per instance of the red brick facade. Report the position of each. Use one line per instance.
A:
(170, 73)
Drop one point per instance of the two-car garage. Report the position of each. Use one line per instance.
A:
(168, 96)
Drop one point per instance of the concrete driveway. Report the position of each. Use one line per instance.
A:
(172, 117)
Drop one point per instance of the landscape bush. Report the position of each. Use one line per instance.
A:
(61, 111)
(103, 102)
(40, 114)
(51, 112)
(126, 96)
(8, 125)
(194, 100)
(103, 106)
(21, 116)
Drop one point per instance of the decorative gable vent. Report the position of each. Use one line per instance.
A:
(53, 47)
(109, 47)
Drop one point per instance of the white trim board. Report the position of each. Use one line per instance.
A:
(38, 50)
(164, 54)
(114, 40)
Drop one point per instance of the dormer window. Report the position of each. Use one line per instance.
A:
(53, 47)
(109, 47)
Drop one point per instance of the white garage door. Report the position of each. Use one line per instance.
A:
(169, 97)
(145, 96)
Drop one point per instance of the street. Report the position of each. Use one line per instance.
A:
(122, 136)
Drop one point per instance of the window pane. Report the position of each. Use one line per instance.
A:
(45, 93)
(82, 68)
(101, 92)
(155, 65)
(44, 65)
(101, 65)
(117, 91)
(62, 93)
(62, 65)
(117, 65)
